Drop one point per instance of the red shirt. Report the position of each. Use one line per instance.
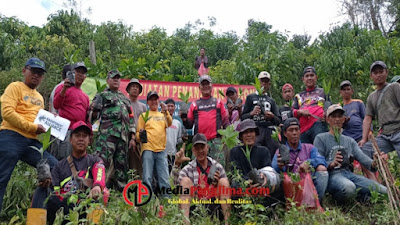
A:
(209, 115)
(203, 183)
(313, 100)
(73, 106)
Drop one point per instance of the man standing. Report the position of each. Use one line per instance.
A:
(263, 110)
(234, 106)
(20, 104)
(201, 63)
(175, 132)
(208, 115)
(72, 104)
(354, 111)
(154, 157)
(116, 131)
(336, 148)
(382, 104)
(302, 156)
(134, 89)
(308, 107)
(287, 94)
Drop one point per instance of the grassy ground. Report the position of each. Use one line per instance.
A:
(22, 184)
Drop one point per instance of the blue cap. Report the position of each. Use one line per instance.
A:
(36, 63)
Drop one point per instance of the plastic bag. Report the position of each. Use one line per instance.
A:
(43, 170)
(302, 192)
(202, 70)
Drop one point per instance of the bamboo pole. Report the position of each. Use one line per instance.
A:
(393, 191)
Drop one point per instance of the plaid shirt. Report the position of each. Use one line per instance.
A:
(190, 171)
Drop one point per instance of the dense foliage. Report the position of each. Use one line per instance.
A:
(345, 52)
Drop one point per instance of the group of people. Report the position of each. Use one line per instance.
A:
(132, 135)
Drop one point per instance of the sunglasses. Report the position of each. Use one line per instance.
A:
(37, 71)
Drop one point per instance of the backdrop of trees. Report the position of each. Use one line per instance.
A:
(344, 52)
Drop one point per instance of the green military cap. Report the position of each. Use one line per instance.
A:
(113, 73)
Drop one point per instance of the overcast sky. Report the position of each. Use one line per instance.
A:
(294, 16)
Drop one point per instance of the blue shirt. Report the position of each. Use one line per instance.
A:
(355, 110)
(304, 152)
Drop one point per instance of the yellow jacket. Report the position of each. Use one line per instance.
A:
(19, 107)
(156, 130)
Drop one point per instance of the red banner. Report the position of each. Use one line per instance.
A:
(167, 89)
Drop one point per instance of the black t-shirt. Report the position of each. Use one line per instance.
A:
(267, 103)
(260, 157)
(286, 112)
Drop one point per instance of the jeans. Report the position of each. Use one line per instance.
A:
(320, 180)
(343, 185)
(386, 143)
(14, 147)
(317, 128)
(158, 161)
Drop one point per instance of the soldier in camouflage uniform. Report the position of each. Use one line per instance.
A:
(116, 131)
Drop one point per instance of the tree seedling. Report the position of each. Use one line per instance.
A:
(143, 133)
(45, 142)
(43, 168)
(254, 174)
(99, 87)
(257, 86)
(184, 106)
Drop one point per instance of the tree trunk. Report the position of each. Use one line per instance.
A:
(374, 18)
(92, 52)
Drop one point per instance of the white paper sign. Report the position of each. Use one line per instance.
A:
(59, 126)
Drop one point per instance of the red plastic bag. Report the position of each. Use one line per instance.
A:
(302, 192)
(202, 70)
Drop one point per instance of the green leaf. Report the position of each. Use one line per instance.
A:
(257, 86)
(146, 116)
(184, 97)
(221, 93)
(46, 139)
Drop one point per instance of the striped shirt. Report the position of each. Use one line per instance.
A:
(190, 171)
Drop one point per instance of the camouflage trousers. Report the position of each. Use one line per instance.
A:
(219, 152)
(114, 152)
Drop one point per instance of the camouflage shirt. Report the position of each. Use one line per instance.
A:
(115, 112)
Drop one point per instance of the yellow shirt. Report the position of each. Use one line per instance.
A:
(156, 130)
(19, 107)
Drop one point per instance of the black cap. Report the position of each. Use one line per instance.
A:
(247, 124)
(290, 122)
(344, 83)
(232, 89)
(36, 63)
(113, 73)
(308, 68)
(199, 138)
(170, 100)
(151, 93)
(377, 63)
(80, 65)
(204, 77)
